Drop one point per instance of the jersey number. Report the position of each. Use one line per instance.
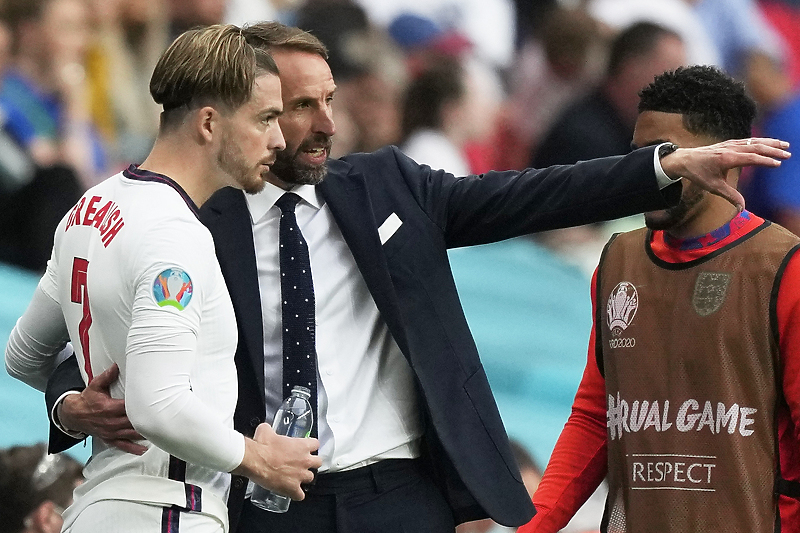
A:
(80, 295)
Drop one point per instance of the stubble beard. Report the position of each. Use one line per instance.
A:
(289, 169)
(677, 215)
(232, 162)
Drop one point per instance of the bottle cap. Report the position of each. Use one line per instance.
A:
(302, 391)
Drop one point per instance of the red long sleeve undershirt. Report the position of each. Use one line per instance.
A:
(578, 464)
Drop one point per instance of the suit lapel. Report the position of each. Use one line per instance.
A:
(227, 217)
(346, 195)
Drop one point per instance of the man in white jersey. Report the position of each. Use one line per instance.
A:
(133, 281)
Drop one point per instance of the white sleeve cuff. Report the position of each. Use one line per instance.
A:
(57, 423)
(661, 177)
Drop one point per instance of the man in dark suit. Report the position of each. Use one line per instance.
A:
(411, 438)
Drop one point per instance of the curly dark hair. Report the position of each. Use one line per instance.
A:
(711, 102)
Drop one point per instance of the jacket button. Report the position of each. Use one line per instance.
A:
(238, 483)
(254, 422)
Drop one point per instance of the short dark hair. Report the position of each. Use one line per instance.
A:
(214, 64)
(636, 40)
(29, 477)
(428, 93)
(711, 102)
(274, 35)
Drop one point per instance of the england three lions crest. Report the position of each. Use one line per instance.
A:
(710, 290)
(621, 308)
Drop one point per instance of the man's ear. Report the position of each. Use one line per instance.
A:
(206, 122)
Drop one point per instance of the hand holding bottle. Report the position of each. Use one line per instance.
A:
(279, 463)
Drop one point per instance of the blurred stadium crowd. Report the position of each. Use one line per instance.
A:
(463, 85)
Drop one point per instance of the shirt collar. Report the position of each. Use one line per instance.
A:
(723, 233)
(260, 203)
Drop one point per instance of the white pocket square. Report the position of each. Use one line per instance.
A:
(389, 226)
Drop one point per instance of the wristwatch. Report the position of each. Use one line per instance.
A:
(666, 149)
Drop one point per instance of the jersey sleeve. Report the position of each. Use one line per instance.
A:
(36, 340)
(788, 315)
(175, 276)
(578, 463)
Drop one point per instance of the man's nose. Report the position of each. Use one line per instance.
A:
(323, 122)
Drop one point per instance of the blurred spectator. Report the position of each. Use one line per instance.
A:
(433, 113)
(44, 93)
(369, 71)
(531, 476)
(429, 49)
(676, 15)
(424, 43)
(33, 198)
(130, 36)
(558, 66)
(488, 24)
(784, 17)
(749, 46)
(186, 14)
(775, 193)
(531, 13)
(739, 31)
(601, 124)
(35, 488)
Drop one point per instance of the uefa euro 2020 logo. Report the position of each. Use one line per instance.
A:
(173, 287)
(621, 308)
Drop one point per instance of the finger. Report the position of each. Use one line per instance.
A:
(125, 434)
(126, 446)
(744, 159)
(777, 143)
(106, 378)
(313, 444)
(296, 493)
(732, 195)
(114, 426)
(263, 432)
(315, 462)
(767, 147)
(307, 477)
(116, 412)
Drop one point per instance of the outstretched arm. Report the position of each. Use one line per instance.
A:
(707, 166)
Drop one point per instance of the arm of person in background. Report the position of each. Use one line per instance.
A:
(788, 315)
(579, 460)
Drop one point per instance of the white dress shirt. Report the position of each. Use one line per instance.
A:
(367, 401)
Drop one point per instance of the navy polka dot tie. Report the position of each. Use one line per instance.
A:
(297, 306)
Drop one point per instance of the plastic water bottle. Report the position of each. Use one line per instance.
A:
(293, 419)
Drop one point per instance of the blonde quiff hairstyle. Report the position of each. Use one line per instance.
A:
(213, 65)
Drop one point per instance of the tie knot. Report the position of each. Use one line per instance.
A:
(287, 202)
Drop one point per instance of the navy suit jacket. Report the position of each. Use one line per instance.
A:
(410, 280)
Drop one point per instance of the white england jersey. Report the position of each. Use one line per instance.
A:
(135, 274)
